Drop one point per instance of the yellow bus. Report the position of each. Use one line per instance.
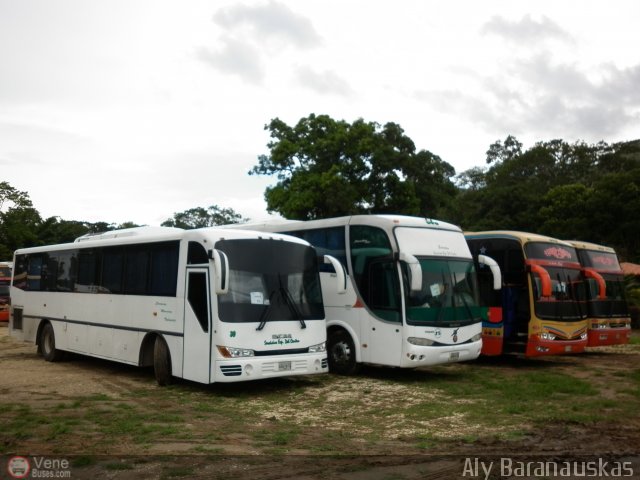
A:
(542, 306)
(609, 321)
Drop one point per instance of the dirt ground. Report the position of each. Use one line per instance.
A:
(27, 380)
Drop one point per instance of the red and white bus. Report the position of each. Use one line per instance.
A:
(609, 317)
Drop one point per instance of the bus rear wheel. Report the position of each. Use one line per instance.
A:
(162, 362)
(47, 344)
(341, 353)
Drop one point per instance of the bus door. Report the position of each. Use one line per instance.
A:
(197, 326)
(382, 332)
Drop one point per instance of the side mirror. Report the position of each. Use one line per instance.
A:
(341, 276)
(602, 284)
(415, 269)
(221, 266)
(545, 279)
(495, 270)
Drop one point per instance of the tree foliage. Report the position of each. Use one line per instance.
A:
(200, 217)
(22, 226)
(569, 191)
(326, 167)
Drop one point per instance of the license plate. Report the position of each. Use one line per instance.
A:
(567, 348)
(454, 355)
(284, 366)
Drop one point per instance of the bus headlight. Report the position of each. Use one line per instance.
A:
(476, 337)
(423, 342)
(547, 336)
(319, 348)
(583, 336)
(234, 352)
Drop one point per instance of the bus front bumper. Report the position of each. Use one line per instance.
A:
(537, 347)
(255, 368)
(608, 336)
(418, 356)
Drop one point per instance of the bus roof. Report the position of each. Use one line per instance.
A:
(284, 225)
(523, 237)
(580, 245)
(157, 234)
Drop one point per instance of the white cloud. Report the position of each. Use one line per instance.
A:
(268, 21)
(526, 30)
(326, 82)
(136, 109)
(235, 57)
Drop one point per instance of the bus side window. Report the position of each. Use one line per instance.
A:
(112, 266)
(196, 254)
(326, 241)
(34, 272)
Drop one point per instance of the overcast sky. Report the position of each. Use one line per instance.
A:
(131, 110)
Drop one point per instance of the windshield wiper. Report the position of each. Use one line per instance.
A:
(288, 299)
(292, 306)
(266, 312)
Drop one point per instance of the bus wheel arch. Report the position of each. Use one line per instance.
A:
(341, 352)
(162, 361)
(146, 350)
(46, 339)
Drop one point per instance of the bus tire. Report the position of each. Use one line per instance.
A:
(341, 353)
(162, 362)
(47, 344)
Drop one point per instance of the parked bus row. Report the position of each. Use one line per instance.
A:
(251, 301)
(5, 283)
(557, 297)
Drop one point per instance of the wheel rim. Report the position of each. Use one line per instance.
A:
(48, 342)
(341, 353)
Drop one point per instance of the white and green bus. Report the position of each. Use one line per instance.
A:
(206, 305)
(412, 295)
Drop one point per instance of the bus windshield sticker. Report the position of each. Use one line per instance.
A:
(257, 298)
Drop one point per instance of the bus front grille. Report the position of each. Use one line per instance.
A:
(231, 370)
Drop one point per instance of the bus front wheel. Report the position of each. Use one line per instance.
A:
(341, 353)
(47, 344)
(162, 362)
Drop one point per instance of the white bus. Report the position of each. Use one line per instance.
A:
(206, 305)
(412, 296)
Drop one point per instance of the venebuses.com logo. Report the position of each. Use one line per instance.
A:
(38, 467)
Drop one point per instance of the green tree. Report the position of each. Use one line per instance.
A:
(564, 212)
(326, 167)
(18, 220)
(200, 217)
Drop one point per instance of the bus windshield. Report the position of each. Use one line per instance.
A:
(270, 280)
(615, 305)
(449, 294)
(567, 299)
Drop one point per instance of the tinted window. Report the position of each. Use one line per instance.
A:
(149, 269)
(270, 280)
(551, 251)
(373, 268)
(136, 270)
(197, 254)
(112, 267)
(164, 269)
(197, 297)
(326, 241)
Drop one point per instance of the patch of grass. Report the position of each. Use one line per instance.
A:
(83, 461)
(176, 472)
(118, 466)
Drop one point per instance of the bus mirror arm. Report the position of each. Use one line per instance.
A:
(495, 270)
(416, 270)
(341, 280)
(545, 279)
(602, 284)
(221, 267)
